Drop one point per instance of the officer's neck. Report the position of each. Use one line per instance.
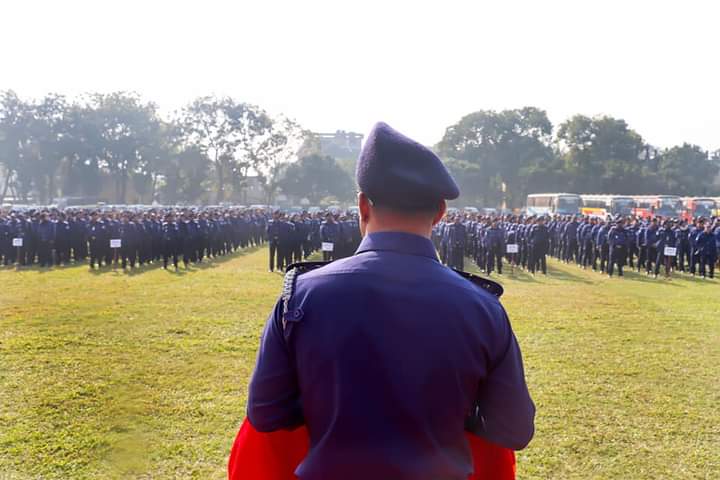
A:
(414, 227)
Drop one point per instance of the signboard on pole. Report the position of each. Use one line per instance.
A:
(670, 251)
(328, 246)
(512, 248)
(17, 242)
(115, 243)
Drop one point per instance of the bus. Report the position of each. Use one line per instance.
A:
(553, 204)
(648, 206)
(604, 205)
(699, 207)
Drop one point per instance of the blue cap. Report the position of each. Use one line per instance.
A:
(396, 171)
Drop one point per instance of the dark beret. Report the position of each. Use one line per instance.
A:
(396, 171)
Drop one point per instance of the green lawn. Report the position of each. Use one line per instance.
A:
(109, 375)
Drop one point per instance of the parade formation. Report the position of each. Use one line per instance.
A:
(133, 238)
(652, 245)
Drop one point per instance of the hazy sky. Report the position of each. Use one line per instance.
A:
(420, 66)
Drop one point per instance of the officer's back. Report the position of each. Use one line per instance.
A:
(383, 355)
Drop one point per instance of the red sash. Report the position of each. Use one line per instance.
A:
(276, 455)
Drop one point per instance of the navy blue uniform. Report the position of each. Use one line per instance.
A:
(382, 355)
(457, 235)
(329, 233)
(539, 241)
(706, 248)
(618, 241)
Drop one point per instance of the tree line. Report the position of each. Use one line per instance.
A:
(503, 156)
(118, 146)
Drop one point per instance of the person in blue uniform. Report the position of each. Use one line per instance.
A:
(618, 241)
(170, 240)
(387, 356)
(98, 238)
(329, 232)
(539, 240)
(601, 244)
(665, 238)
(650, 243)
(457, 235)
(494, 243)
(683, 243)
(63, 240)
(45, 237)
(706, 251)
(273, 236)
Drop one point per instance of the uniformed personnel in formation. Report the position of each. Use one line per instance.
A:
(604, 245)
(387, 356)
(72, 236)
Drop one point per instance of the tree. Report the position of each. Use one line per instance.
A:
(315, 177)
(601, 154)
(185, 174)
(504, 146)
(51, 144)
(230, 134)
(687, 170)
(280, 147)
(124, 126)
(14, 119)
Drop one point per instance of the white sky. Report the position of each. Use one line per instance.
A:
(420, 66)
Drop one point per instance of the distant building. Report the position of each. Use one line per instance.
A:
(341, 144)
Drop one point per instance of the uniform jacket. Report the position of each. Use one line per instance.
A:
(382, 355)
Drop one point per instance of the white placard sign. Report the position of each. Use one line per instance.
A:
(512, 248)
(670, 251)
(115, 243)
(17, 242)
(328, 246)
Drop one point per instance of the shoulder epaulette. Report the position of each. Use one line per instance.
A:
(487, 285)
(291, 273)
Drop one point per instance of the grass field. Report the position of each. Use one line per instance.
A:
(110, 375)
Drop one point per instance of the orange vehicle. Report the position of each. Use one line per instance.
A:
(604, 205)
(667, 206)
(698, 207)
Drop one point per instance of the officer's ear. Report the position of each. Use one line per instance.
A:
(442, 210)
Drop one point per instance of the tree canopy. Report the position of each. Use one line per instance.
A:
(117, 147)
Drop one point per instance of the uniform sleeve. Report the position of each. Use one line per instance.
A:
(507, 410)
(274, 394)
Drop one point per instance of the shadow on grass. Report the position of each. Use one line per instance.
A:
(117, 269)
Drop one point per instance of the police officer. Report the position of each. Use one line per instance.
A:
(706, 251)
(98, 239)
(457, 235)
(650, 241)
(45, 235)
(63, 240)
(329, 232)
(539, 240)
(170, 241)
(386, 392)
(273, 236)
(665, 238)
(618, 240)
(494, 243)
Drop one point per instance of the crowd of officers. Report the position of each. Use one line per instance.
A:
(133, 238)
(603, 245)
(71, 236)
(294, 238)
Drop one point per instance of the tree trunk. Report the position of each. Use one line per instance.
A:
(51, 188)
(221, 180)
(123, 185)
(6, 186)
(153, 187)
